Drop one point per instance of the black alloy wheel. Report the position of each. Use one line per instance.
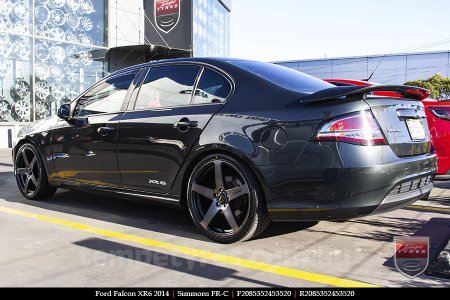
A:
(225, 201)
(30, 174)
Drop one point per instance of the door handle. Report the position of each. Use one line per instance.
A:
(185, 124)
(103, 131)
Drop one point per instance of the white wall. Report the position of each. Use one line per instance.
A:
(125, 22)
(4, 127)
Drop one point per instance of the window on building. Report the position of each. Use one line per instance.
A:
(167, 86)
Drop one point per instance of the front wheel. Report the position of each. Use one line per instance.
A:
(30, 174)
(225, 200)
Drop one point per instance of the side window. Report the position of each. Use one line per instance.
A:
(167, 86)
(212, 88)
(107, 97)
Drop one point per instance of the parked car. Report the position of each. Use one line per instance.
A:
(238, 143)
(438, 117)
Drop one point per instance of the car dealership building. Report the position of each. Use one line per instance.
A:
(385, 69)
(51, 50)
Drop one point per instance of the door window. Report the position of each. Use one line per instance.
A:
(212, 88)
(107, 97)
(167, 86)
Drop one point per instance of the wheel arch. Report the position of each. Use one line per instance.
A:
(29, 140)
(197, 156)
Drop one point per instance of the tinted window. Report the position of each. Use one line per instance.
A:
(284, 77)
(167, 86)
(212, 88)
(107, 97)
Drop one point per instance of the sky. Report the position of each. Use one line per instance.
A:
(276, 30)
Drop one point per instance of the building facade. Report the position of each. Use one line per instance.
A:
(52, 50)
(386, 69)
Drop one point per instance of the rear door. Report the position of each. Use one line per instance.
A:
(165, 121)
(404, 123)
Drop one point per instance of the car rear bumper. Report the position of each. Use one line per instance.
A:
(392, 202)
(294, 193)
(353, 208)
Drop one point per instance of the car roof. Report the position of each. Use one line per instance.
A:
(207, 60)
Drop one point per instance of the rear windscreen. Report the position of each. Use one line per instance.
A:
(285, 77)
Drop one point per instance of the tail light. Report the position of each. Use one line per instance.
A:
(359, 129)
(442, 112)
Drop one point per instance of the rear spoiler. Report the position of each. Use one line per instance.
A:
(411, 92)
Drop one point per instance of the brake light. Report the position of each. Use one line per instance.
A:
(359, 129)
(442, 112)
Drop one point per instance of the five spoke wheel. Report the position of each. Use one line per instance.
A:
(27, 171)
(220, 199)
(30, 174)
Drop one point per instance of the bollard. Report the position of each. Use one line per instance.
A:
(9, 138)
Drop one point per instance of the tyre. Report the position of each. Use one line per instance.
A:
(225, 200)
(30, 174)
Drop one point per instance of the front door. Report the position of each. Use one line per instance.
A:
(166, 120)
(85, 147)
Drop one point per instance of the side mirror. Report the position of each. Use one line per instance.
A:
(64, 112)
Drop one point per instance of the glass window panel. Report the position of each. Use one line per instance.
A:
(284, 77)
(212, 88)
(80, 21)
(391, 69)
(423, 66)
(316, 68)
(15, 78)
(66, 59)
(62, 71)
(167, 86)
(210, 28)
(107, 97)
(351, 68)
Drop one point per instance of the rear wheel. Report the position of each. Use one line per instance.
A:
(225, 201)
(30, 174)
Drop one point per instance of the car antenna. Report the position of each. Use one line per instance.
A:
(376, 68)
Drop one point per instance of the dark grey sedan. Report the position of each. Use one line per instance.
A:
(237, 143)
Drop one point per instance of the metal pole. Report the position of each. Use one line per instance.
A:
(448, 62)
(406, 68)
(33, 61)
(139, 17)
(116, 23)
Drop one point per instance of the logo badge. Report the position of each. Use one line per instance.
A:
(411, 255)
(167, 14)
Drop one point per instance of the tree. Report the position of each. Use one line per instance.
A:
(438, 85)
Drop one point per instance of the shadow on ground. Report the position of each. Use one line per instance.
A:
(164, 260)
(167, 220)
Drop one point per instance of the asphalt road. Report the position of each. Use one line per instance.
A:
(80, 239)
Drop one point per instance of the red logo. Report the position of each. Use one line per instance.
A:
(167, 14)
(411, 255)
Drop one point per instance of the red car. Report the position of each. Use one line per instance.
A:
(438, 117)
